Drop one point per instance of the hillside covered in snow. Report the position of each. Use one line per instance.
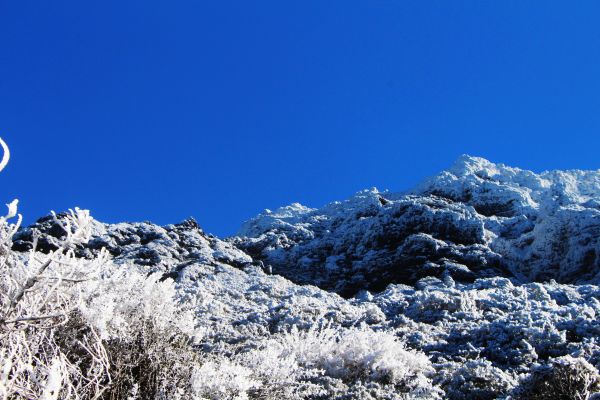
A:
(475, 220)
(481, 283)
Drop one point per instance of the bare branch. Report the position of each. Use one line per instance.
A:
(36, 318)
(68, 280)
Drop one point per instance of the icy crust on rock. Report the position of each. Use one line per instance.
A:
(368, 242)
(545, 226)
(527, 189)
(477, 219)
(154, 248)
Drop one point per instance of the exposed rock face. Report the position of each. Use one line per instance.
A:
(478, 219)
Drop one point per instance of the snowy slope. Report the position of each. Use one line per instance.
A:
(446, 291)
(477, 219)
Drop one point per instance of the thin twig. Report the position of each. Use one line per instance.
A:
(41, 317)
(29, 284)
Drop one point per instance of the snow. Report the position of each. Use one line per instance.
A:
(481, 283)
(490, 218)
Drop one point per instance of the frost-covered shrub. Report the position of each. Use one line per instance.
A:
(477, 380)
(39, 294)
(283, 363)
(349, 354)
(79, 329)
(565, 378)
(430, 306)
(122, 298)
(147, 335)
(222, 380)
(380, 356)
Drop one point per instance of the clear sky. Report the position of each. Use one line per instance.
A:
(160, 110)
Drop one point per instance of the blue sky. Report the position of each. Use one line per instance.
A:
(148, 110)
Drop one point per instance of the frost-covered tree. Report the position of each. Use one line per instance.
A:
(73, 328)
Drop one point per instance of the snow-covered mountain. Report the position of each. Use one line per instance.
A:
(477, 219)
(487, 274)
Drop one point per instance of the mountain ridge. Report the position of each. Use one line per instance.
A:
(482, 281)
(474, 220)
(485, 219)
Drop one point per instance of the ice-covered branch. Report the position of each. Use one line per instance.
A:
(5, 155)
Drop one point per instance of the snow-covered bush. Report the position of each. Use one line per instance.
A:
(563, 378)
(476, 380)
(39, 295)
(72, 328)
(147, 335)
(362, 353)
(222, 380)
(349, 354)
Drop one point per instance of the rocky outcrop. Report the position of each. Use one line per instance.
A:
(153, 248)
(475, 220)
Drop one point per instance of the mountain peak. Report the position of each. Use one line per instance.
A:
(467, 165)
(473, 220)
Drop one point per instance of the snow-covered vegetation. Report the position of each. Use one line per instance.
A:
(92, 328)
(479, 284)
(478, 219)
